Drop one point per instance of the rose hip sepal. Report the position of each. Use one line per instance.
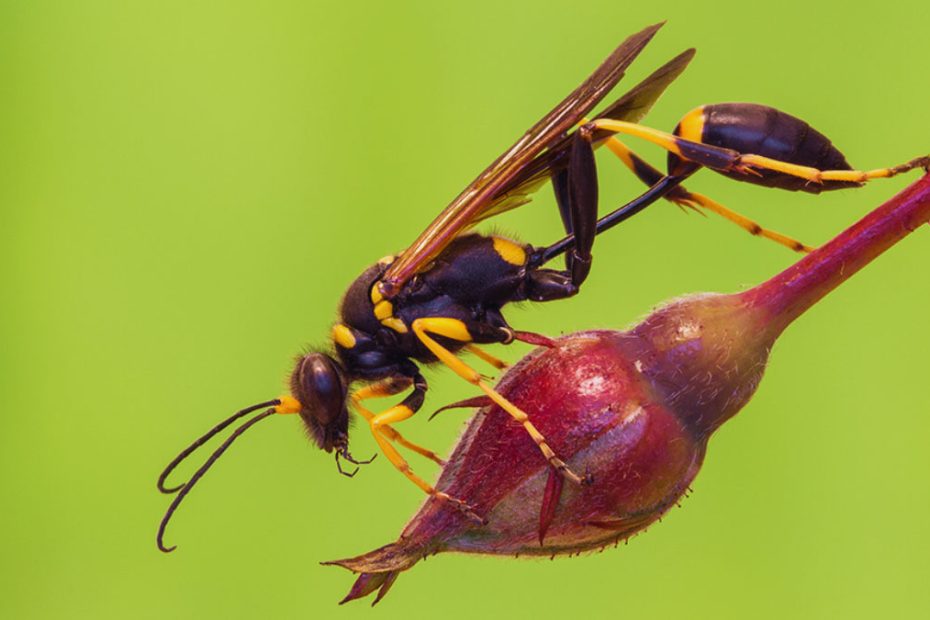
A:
(634, 409)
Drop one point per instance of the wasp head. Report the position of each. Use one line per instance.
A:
(319, 383)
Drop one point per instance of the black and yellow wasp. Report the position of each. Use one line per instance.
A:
(445, 292)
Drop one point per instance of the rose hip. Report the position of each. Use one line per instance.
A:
(634, 409)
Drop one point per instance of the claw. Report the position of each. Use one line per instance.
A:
(917, 162)
(467, 509)
(747, 169)
(560, 466)
(687, 205)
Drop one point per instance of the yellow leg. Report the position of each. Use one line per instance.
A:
(456, 330)
(819, 176)
(747, 163)
(383, 389)
(696, 201)
(684, 198)
(667, 141)
(487, 357)
(399, 413)
(623, 153)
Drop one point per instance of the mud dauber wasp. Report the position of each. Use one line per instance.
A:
(445, 292)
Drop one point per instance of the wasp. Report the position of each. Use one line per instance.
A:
(444, 294)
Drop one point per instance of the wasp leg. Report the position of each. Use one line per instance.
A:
(398, 413)
(697, 201)
(728, 160)
(576, 194)
(684, 198)
(560, 181)
(384, 389)
(546, 284)
(455, 329)
(815, 175)
(487, 357)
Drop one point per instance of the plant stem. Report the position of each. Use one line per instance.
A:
(787, 295)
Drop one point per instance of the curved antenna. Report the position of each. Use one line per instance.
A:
(204, 439)
(199, 473)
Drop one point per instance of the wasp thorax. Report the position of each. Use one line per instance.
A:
(318, 382)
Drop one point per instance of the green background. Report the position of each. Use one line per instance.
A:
(187, 189)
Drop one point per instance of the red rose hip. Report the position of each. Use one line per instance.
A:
(633, 409)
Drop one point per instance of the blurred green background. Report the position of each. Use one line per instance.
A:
(187, 189)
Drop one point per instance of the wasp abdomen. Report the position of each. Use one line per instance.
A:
(760, 130)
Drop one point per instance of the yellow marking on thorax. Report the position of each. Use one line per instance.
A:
(511, 252)
(343, 336)
(691, 126)
(289, 404)
(396, 324)
(384, 311)
(387, 260)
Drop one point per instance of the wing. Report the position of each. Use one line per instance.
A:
(632, 107)
(480, 194)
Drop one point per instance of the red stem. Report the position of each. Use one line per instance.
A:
(787, 295)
